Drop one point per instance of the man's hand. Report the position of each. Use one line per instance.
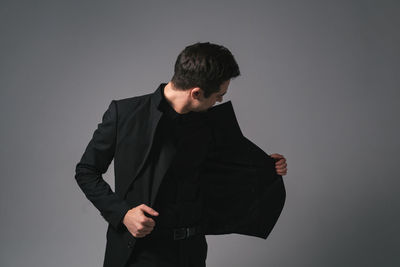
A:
(138, 224)
(281, 166)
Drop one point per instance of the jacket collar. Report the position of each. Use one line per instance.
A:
(157, 97)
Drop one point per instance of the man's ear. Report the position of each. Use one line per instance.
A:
(197, 93)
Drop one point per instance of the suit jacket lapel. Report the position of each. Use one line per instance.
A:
(150, 116)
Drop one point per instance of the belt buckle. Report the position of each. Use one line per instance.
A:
(180, 233)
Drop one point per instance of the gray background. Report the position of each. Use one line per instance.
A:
(318, 85)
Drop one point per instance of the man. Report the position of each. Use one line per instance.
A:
(182, 167)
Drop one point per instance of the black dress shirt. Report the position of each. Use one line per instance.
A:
(179, 201)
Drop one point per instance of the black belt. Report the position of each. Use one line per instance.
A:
(176, 233)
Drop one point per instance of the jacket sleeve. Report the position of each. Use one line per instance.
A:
(95, 162)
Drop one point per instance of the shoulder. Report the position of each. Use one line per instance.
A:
(131, 104)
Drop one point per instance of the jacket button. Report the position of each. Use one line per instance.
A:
(130, 245)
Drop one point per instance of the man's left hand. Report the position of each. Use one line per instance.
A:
(280, 165)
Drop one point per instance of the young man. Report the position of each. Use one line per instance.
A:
(182, 167)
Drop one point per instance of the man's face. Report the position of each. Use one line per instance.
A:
(205, 103)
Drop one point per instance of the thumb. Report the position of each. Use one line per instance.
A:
(149, 210)
(276, 155)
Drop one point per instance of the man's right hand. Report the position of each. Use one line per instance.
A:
(138, 224)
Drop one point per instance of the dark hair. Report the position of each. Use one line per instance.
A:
(204, 65)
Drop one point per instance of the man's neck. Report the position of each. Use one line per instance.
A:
(176, 98)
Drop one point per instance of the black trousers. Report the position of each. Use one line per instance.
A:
(161, 252)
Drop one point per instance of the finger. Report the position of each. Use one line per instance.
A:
(282, 168)
(283, 171)
(139, 235)
(276, 155)
(283, 165)
(149, 210)
(280, 162)
(148, 230)
(142, 229)
(145, 231)
(148, 222)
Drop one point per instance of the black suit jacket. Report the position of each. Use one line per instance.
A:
(242, 191)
